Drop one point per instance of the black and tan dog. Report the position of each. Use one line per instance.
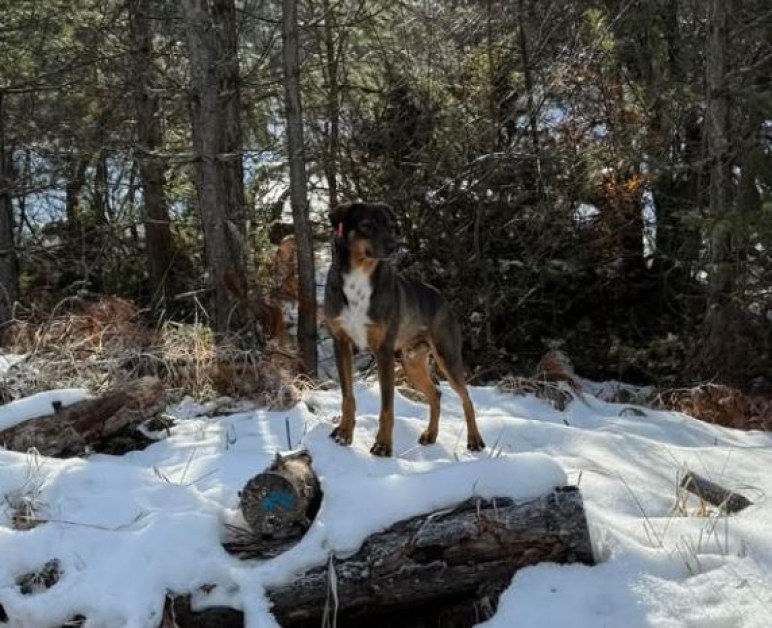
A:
(368, 304)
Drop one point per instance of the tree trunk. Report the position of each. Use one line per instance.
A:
(76, 179)
(333, 103)
(716, 349)
(101, 198)
(533, 126)
(673, 38)
(9, 267)
(211, 35)
(303, 239)
(722, 274)
(158, 237)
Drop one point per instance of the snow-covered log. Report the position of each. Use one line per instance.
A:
(442, 555)
(432, 557)
(72, 430)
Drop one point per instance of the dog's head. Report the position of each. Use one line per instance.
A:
(369, 230)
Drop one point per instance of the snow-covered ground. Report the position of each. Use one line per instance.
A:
(126, 529)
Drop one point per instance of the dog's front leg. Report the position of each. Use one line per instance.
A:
(385, 358)
(344, 360)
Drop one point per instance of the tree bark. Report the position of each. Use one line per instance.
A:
(76, 178)
(714, 352)
(101, 196)
(332, 61)
(211, 35)
(158, 237)
(294, 112)
(9, 266)
(72, 430)
(722, 273)
(529, 90)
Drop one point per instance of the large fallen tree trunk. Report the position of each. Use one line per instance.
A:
(442, 555)
(415, 563)
(74, 429)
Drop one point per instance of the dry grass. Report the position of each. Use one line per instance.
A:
(683, 498)
(104, 342)
(84, 328)
(556, 366)
(716, 403)
(555, 381)
(558, 394)
(24, 505)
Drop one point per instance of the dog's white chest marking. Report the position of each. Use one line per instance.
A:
(353, 318)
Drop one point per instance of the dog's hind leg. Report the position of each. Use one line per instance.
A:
(344, 360)
(416, 362)
(447, 352)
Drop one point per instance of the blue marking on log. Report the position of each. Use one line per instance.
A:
(278, 499)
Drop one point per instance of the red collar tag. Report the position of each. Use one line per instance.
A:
(340, 229)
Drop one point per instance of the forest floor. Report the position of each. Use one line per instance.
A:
(109, 537)
(126, 530)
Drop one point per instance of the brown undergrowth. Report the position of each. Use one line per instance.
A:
(556, 382)
(720, 404)
(99, 343)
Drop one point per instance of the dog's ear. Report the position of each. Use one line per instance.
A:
(336, 214)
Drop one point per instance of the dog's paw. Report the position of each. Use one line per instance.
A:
(427, 438)
(381, 449)
(342, 437)
(475, 444)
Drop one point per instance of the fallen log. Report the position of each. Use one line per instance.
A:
(458, 612)
(442, 555)
(282, 501)
(74, 429)
(415, 563)
(278, 506)
(715, 494)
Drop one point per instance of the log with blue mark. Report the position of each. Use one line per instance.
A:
(279, 500)
(284, 498)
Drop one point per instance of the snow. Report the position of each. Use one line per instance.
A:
(127, 529)
(37, 405)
